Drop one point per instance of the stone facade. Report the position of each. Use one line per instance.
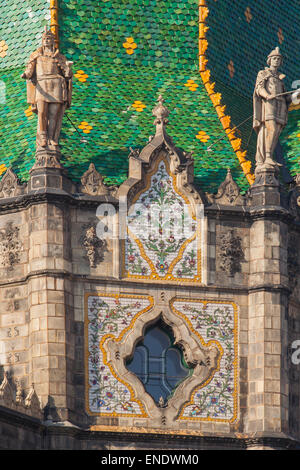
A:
(77, 293)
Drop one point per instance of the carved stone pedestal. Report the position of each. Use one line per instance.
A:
(266, 190)
(48, 172)
(46, 158)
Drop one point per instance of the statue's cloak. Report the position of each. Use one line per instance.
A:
(32, 82)
(273, 109)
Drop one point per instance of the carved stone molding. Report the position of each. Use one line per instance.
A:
(46, 158)
(228, 193)
(92, 182)
(203, 359)
(10, 245)
(230, 253)
(94, 246)
(30, 405)
(10, 185)
(266, 177)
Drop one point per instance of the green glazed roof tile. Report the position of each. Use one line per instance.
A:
(252, 29)
(125, 54)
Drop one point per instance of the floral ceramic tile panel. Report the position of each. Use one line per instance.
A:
(135, 264)
(110, 315)
(163, 233)
(185, 268)
(217, 399)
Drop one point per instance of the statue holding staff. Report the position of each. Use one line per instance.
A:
(49, 90)
(270, 106)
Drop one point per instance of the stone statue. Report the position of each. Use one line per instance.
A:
(270, 105)
(49, 90)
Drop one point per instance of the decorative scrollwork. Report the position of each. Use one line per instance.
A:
(10, 185)
(231, 253)
(94, 246)
(92, 182)
(10, 245)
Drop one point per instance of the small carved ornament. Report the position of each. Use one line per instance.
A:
(228, 193)
(10, 185)
(231, 253)
(10, 245)
(94, 246)
(134, 153)
(30, 406)
(92, 182)
(6, 392)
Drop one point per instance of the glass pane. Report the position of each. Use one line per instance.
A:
(156, 340)
(139, 363)
(158, 363)
(175, 370)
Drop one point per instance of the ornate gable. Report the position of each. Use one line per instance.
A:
(163, 229)
(228, 193)
(10, 185)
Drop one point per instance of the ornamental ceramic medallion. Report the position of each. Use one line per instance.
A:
(163, 234)
(216, 400)
(108, 316)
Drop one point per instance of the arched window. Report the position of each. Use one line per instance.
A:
(158, 363)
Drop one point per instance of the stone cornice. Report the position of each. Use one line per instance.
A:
(48, 193)
(160, 285)
(270, 288)
(10, 416)
(115, 435)
(244, 213)
(53, 196)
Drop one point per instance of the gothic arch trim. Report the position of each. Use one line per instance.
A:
(203, 356)
(191, 205)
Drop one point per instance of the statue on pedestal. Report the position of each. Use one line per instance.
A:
(270, 105)
(49, 89)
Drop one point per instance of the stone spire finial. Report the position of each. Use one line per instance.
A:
(161, 113)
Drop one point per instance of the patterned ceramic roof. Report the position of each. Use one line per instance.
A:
(254, 28)
(125, 54)
(21, 28)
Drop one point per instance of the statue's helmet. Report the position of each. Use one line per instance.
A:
(274, 53)
(48, 35)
